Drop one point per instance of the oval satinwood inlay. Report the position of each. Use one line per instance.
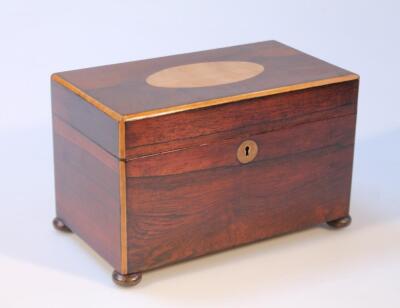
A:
(204, 74)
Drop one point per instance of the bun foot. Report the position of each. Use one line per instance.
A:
(340, 222)
(126, 280)
(60, 225)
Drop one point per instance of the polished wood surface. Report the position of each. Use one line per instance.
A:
(60, 225)
(86, 97)
(149, 175)
(123, 221)
(341, 222)
(203, 126)
(196, 200)
(85, 118)
(223, 153)
(126, 280)
(122, 88)
(87, 191)
(178, 217)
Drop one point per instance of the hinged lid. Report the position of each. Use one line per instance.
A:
(154, 87)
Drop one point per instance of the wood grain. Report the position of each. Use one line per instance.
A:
(182, 216)
(85, 118)
(123, 89)
(222, 153)
(90, 99)
(198, 199)
(203, 126)
(87, 191)
(149, 176)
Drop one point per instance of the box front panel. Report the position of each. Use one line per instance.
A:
(199, 199)
(207, 125)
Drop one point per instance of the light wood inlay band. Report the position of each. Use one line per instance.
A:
(239, 97)
(202, 104)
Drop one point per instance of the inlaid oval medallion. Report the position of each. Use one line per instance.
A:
(204, 74)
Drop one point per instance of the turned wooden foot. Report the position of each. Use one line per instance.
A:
(60, 225)
(340, 222)
(126, 280)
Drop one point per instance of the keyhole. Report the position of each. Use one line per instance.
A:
(247, 151)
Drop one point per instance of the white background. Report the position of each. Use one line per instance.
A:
(355, 267)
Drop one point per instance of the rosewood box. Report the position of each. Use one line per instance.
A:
(163, 160)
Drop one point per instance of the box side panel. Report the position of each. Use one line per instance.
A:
(87, 180)
(84, 117)
(199, 199)
(247, 117)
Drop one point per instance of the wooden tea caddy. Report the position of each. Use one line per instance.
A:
(163, 160)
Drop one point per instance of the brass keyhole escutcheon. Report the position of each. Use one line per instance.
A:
(247, 151)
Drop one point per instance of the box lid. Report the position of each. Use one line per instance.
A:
(148, 88)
